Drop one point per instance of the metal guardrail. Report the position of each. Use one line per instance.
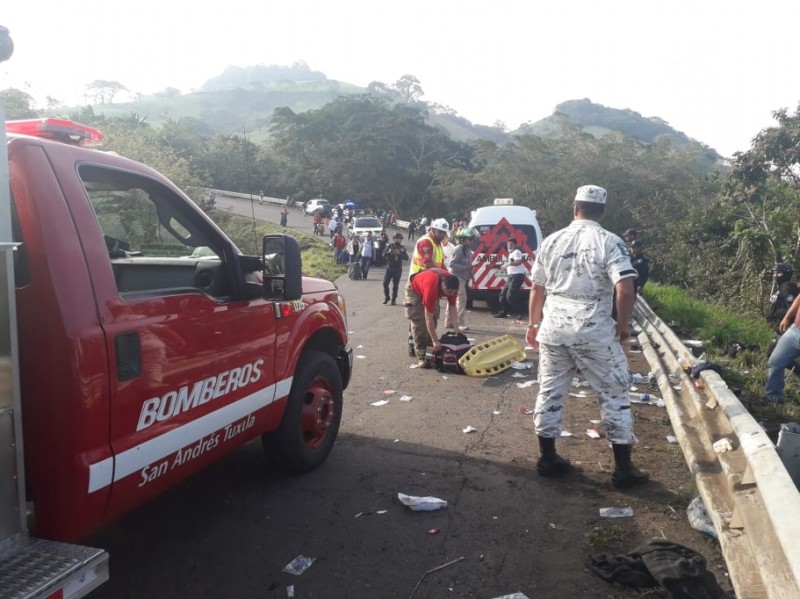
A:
(749, 496)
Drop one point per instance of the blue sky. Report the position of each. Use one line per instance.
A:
(714, 70)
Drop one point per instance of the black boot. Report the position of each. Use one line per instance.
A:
(625, 473)
(386, 300)
(550, 463)
(394, 301)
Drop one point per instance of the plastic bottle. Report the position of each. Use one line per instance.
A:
(641, 397)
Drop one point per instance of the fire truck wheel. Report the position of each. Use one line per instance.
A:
(310, 423)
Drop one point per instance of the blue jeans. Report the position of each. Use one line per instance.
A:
(783, 357)
(365, 263)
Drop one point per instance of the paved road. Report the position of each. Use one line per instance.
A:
(229, 530)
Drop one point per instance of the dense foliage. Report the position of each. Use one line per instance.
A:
(713, 231)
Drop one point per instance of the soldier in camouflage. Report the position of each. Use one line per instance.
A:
(576, 271)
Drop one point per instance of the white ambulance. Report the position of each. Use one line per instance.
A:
(493, 226)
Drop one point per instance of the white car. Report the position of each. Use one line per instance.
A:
(317, 206)
(362, 224)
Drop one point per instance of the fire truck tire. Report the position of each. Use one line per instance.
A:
(310, 423)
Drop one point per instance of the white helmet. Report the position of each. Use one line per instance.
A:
(440, 224)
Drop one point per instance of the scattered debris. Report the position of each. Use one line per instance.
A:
(516, 595)
(388, 392)
(379, 403)
(525, 411)
(566, 434)
(526, 384)
(698, 517)
(522, 365)
(299, 565)
(496, 412)
(469, 429)
(434, 531)
(672, 438)
(432, 570)
(519, 375)
(421, 504)
(592, 434)
(360, 357)
(722, 445)
(406, 398)
(616, 512)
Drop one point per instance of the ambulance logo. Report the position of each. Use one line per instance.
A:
(491, 252)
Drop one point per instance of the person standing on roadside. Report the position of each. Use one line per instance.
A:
(786, 351)
(395, 254)
(285, 216)
(510, 293)
(367, 254)
(641, 263)
(574, 274)
(339, 243)
(423, 292)
(461, 266)
(428, 251)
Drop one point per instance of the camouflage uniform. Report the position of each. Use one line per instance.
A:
(578, 266)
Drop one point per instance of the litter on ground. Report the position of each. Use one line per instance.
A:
(299, 565)
(379, 403)
(526, 384)
(469, 429)
(616, 512)
(525, 411)
(406, 398)
(421, 504)
(592, 434)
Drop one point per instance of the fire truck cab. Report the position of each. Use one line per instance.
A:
(138, 345)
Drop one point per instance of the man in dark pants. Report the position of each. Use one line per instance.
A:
(509, 295)
(641, 263)
(394, 254)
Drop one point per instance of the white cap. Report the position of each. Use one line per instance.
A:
(591, 193)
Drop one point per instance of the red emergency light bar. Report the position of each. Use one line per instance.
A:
(59, 129)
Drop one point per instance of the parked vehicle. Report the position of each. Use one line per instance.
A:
(494, 226)
(363, 224)
(149, 347)
(317, 206)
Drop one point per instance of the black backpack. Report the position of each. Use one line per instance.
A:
(446, 359)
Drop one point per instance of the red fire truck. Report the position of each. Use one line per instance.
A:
(139, 345)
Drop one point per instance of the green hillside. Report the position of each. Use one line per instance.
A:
(243, 99)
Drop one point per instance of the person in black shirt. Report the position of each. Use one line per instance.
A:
(641, 263)
(394, 254)
(784, 292)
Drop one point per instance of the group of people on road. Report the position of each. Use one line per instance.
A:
(574, 279)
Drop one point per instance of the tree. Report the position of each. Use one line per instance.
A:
(409, 89)
(18, 104)
(103, 92)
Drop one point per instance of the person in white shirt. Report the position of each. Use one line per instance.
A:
(367, 254)
(576, 271)
(510, 294)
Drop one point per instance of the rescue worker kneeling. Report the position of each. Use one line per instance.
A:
(423, 292)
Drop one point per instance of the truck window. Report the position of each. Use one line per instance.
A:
(156, 243)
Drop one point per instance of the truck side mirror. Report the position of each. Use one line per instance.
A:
(283, 279)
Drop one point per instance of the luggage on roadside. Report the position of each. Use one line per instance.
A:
(454, 345)
(354, 271)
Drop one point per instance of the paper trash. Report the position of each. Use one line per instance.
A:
(616, 512)
(421, 504)
(299, 565)
(469, 429)
(380, 402)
